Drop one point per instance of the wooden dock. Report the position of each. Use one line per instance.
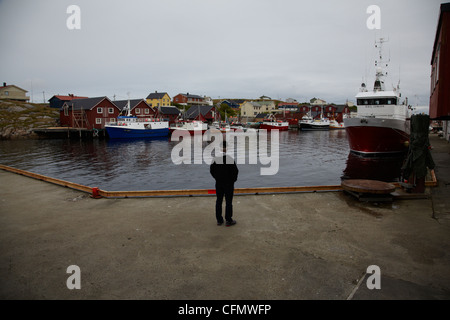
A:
(98, 193)
(69, 132)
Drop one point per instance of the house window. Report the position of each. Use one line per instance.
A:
(100, 110)
(138, 111)
(6, 93)
(98, 120)
(110, 110)
(112, 120)
(66, 111)
(146, 111)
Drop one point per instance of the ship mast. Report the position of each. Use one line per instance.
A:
(380, 64)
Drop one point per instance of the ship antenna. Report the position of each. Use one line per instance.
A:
(380, 64)
(128, 107)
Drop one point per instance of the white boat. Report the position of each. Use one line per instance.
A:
(336, 125)
(132, 127)
(214, 125)
(307, 123)
(191, 126)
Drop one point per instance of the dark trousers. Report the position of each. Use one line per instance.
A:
(227, 190)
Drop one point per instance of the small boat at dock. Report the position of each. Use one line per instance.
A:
(336, 125)
(132, 127)
(309, 124)
(191, 126)
(272, 124)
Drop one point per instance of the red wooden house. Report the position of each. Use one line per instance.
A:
(189, 99)
(139, 108)
(336, 112)
(90, 113)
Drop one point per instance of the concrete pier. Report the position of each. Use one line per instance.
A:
(284, 246)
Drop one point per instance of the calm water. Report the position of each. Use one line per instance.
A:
(306, 159)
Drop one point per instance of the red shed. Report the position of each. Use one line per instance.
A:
(90, 113)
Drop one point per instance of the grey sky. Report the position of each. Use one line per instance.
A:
(219, 48)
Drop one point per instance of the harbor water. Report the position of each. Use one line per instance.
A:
(305, 159)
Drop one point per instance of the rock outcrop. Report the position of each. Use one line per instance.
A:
(18, 119)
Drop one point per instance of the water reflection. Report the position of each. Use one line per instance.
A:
(386, 169)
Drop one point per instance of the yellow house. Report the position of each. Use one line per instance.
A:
(158, 99)
(13, 92)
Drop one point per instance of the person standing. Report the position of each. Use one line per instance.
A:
(225, 171)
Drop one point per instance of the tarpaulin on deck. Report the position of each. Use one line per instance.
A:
(419, 156)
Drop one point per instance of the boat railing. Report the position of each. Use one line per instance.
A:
(124, 120)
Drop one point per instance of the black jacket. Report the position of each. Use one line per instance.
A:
(224, 170)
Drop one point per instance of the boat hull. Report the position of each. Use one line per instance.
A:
(191, 132)
(117, 132)
(268, 127)
(313, 127)
(375, 136)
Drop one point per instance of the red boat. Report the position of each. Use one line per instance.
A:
(273, 124)
(381, 126)
(374, 136)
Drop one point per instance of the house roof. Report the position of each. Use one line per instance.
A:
(255, 104)
(193, 111)
(12, 85)
(188, 95)
(445, 7)
(340, 107)
(156, 95)
(169, 110)
(261, 115)
(287, 104)
(121, 104)
(231, 103)
(85, 104)
(66, 98)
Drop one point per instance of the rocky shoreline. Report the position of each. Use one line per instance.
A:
(19, 119)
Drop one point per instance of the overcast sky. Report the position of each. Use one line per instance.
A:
(219, 48)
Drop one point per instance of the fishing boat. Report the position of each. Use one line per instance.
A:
(381, 126)
(237, 127)
(271, 123)
(132, 127)
(308, 123)
(225, 127)
(336, 125)
(192, 127)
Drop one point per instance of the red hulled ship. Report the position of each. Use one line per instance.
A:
(381, 126)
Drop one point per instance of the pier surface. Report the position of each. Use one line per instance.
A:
(284, 246)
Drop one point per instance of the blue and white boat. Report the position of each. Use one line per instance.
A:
(132, 127)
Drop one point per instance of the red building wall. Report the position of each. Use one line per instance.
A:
(440, 68)
(104, 111)
(139, 110)
(179, 98)
(104, 116)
